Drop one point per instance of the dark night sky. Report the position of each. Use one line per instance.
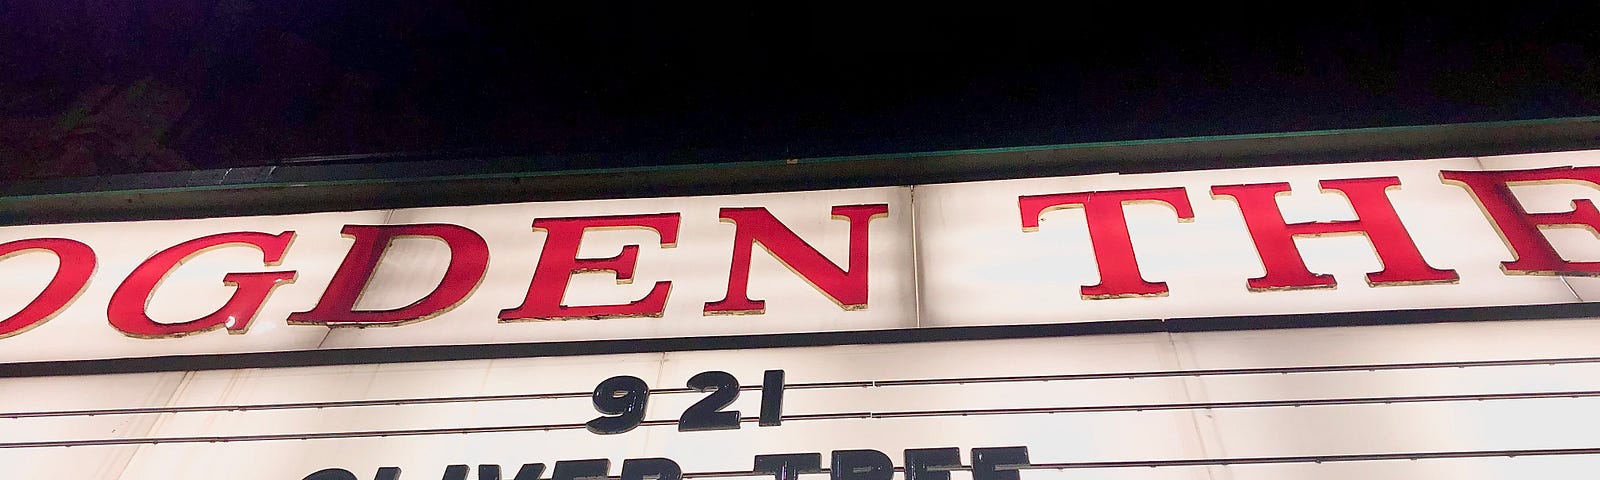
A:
(107, 87)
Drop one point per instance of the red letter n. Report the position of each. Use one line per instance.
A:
(1108, 232)
(1375, 218)
(1520, 229)
(847, 287)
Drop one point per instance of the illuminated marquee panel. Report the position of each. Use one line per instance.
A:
(643, 268)
(1451, 399)
(1197, 253)
(1505, 400)
(1468, 232)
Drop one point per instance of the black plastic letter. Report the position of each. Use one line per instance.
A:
(861, 465)
(999, 463)
(651, 469)
(788, 466)
(707, 413)
(931, 463)
(622, 399)
(529, 471)
(331, 474)
(596, 469)
(771, 398)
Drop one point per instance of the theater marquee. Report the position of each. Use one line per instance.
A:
(1376, 236)
(923, 329)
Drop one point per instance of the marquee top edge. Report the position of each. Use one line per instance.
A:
(357, 183)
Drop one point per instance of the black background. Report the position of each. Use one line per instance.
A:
(96, 87)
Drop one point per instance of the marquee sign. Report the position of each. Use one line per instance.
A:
(1464, 238)
(1417, 234)
(1492, 399)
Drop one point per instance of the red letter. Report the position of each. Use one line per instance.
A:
(1520, 229)
(848, 288)
(558, 262)
(469, 258)
(1375, 218)
(1108, 232)
(127, 308)
(76, 265)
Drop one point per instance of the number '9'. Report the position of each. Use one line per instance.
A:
(622, 400)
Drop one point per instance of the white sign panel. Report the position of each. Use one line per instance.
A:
(1445, 233)
(981, 267)
(1099, 406)
(684, 274)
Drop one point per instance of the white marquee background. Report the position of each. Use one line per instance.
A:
(1492, 400)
